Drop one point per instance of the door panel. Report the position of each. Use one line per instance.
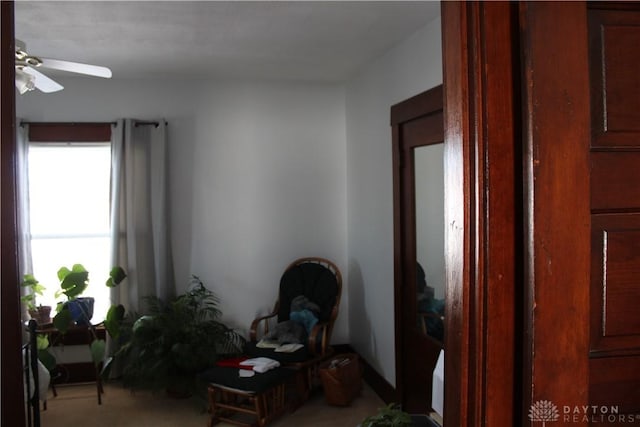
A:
(614, 383)
(614, 37)
(615, 294)
(612, 176)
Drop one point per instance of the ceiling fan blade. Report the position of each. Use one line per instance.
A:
(76, 67)
(42, 82)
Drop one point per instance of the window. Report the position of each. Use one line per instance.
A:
(69, 186)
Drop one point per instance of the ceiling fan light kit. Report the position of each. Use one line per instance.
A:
(28, 78)
(24, 81)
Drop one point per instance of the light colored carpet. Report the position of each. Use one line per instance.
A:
(77, 406)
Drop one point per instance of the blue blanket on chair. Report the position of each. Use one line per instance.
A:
(302, 318)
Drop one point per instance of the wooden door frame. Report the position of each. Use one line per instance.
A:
(12, 384)
(483, 238)
(428, 103)
(507, 109)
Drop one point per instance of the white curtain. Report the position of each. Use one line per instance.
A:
(22, 194)
(140, 212)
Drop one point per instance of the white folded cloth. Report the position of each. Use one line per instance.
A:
(277, 347)
(244, 373)
(261, 364)
(288, 348)
(265, 343)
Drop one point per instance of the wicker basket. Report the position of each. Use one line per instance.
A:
(341, 379)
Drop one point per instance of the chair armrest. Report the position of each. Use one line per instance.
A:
(431, 314)
(319, 333)
(253, 331)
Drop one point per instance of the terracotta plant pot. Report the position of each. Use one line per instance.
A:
(41, 314)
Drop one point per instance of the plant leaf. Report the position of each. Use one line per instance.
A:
(42, 341)
(74, 281)
(29, 280)
(78, 268)
(47, 359)
(62, 320)
(98, 350)
(116, 276)
(114, 319)
(30, 300)
(62, 273)
(38, 288)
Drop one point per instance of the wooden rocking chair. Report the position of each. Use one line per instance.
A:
(320, 281)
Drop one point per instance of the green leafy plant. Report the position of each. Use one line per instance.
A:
(38, 312)
(30, 282)
(47, 359)
(176, 340)
(388, 416)
(73, 282)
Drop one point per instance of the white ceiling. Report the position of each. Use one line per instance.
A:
(304, 40)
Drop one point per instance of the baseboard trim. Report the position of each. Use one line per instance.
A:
(376, 381)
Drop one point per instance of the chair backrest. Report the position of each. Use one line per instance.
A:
(318, 279)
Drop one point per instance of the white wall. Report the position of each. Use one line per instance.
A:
(269, 187)
(412, 67)
(257, 175)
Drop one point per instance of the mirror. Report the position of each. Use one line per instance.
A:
(418, 144)
(429, 206)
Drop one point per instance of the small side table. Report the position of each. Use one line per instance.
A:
(77, 335)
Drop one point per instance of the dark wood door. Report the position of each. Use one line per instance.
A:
(556, 130)
(582, 126)
(416, 122)
(614, 344)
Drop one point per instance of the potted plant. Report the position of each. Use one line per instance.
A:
(388, 416)
(41, 313)
(78, 310)
(177, 340)
(393, 416)
(75, 309)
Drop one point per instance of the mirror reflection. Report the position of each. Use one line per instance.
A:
(430, 274)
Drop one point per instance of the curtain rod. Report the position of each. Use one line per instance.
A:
(24, 122)
(136, 123)
(143, 123)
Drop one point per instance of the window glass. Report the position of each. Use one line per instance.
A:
(69, 215)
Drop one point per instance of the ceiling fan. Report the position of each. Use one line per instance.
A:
(28, 78)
